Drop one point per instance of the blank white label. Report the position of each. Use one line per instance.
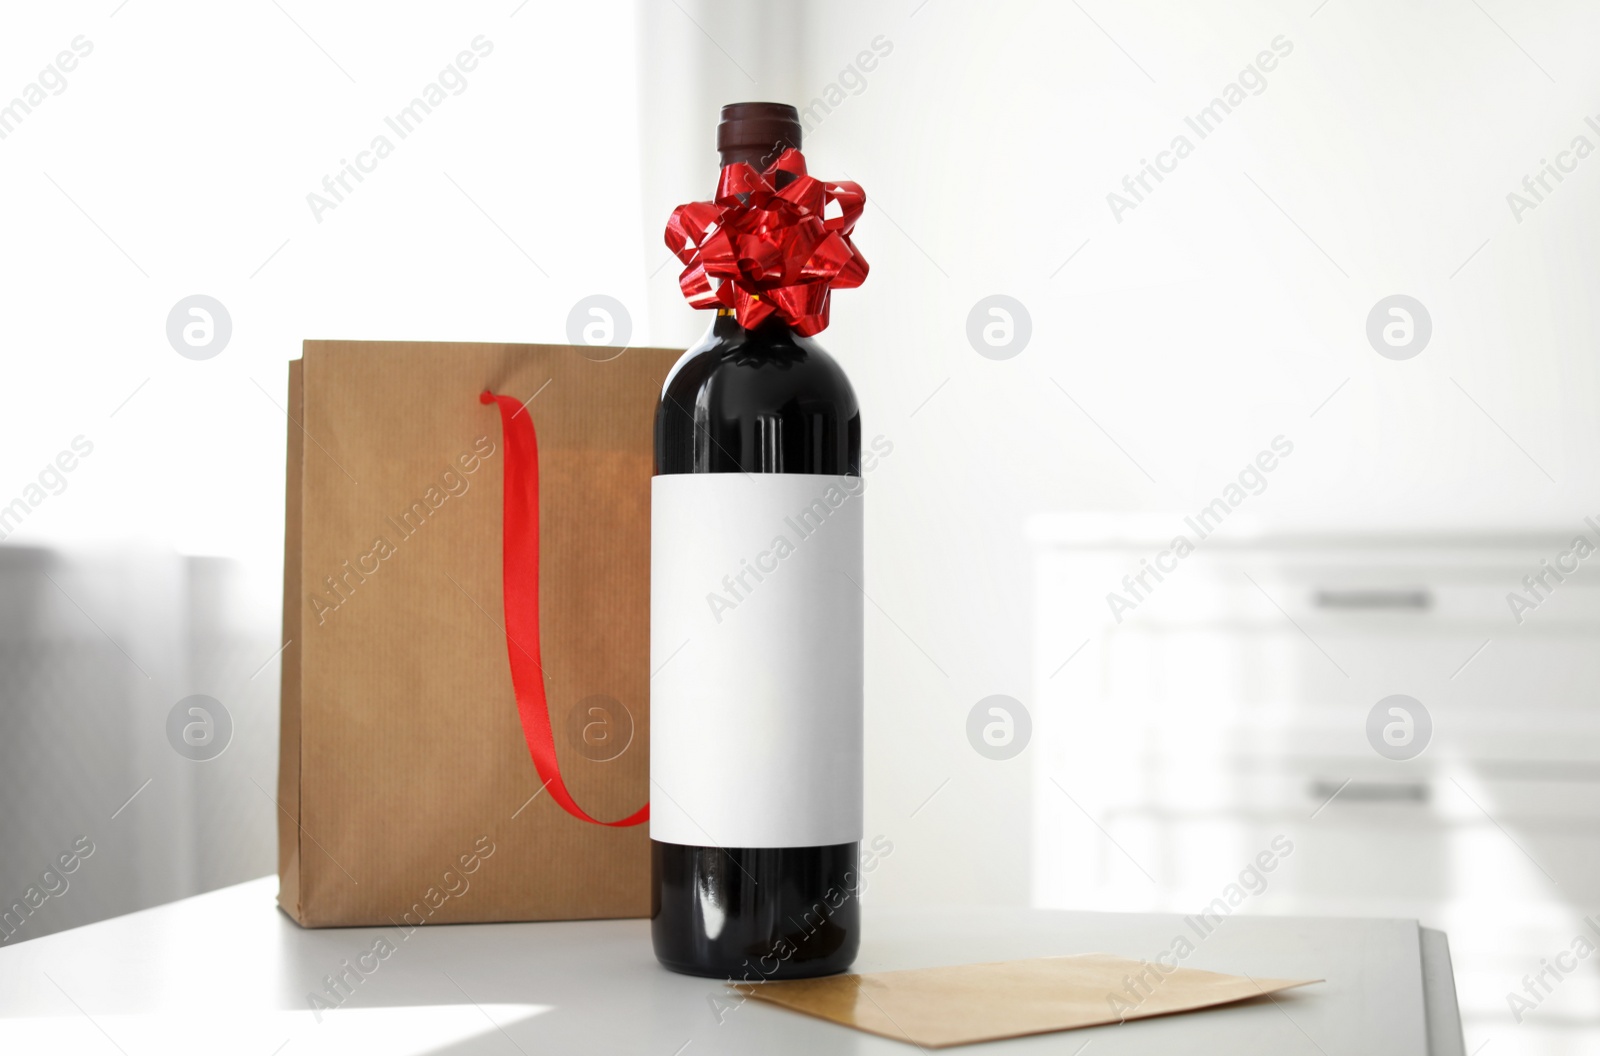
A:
(755, 649)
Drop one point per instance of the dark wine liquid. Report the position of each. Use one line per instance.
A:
(756, 401)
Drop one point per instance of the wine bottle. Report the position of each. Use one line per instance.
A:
(756, 639)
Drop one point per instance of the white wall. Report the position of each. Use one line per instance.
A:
(191, 137)
(1195, 330)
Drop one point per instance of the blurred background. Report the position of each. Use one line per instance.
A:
(1307, 285)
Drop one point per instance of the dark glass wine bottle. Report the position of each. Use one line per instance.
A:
(744, 403)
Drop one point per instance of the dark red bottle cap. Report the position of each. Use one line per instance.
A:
(757, 133)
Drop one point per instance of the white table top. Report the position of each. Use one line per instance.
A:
(226, 972)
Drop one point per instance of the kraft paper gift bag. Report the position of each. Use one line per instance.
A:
(466, 604)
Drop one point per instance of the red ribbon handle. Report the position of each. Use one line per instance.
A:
(520, 581)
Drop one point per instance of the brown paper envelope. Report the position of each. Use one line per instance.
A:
(965, 1003)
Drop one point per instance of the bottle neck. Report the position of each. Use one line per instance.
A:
(725, 329)
(760, 159)
(757, 158)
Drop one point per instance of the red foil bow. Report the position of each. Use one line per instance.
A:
(759, 251)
